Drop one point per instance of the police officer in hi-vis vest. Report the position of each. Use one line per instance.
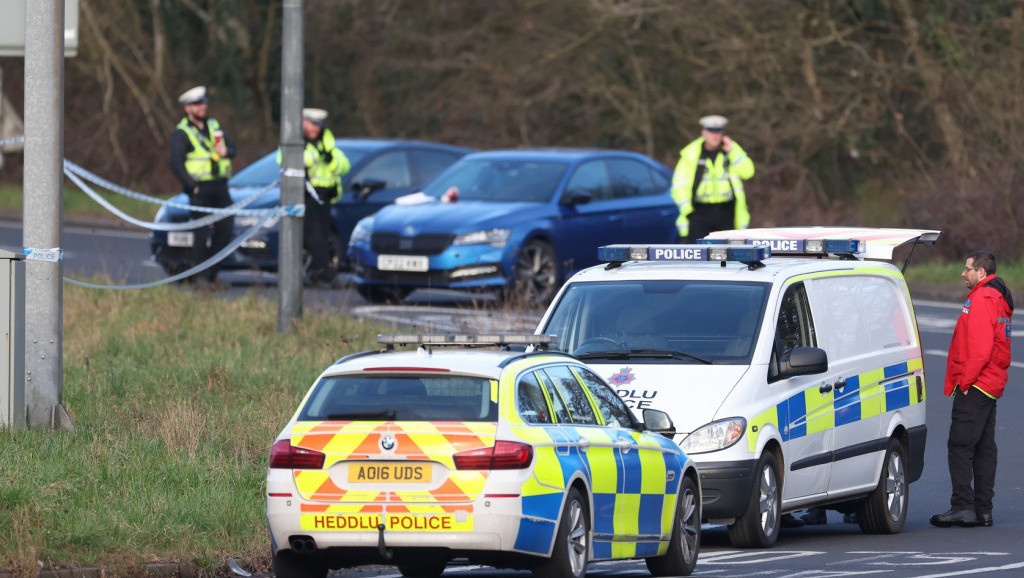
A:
(708, 183)
(201, 153)
(325, 164)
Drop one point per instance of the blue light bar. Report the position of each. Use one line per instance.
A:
(684, 253)
(797, 246)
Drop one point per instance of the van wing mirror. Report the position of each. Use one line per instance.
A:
(659, 422)
(805, 361)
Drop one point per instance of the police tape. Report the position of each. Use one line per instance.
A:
(291, 210)
(7, 141)
(77, 174)
(213, 260)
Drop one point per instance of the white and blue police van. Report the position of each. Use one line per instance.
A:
(788, 358)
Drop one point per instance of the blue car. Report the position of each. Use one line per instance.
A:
(516, 222)
(382, 170)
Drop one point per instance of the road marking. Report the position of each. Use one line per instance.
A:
(943, 354)
(1015, 566)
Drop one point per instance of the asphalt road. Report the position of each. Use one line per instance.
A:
(836, 549)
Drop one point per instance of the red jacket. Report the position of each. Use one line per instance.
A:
(980, 351)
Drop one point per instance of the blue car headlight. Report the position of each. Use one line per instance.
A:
(714, 436)
(362, 231)
(496, 238)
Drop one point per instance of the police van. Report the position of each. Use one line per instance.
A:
(788, 358)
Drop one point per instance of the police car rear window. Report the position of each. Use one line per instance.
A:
(401, 397)
(660, 321)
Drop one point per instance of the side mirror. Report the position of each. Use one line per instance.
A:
(365, 188)
(574, 197)
(659, 422)
(805, 361)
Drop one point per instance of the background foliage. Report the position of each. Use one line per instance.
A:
(867, 112)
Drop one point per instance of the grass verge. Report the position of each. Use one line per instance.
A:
(176, 398)
(949, 273)
(79, 204)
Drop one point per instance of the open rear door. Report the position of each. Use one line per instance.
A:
(878, 244)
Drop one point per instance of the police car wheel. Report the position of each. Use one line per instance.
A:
(884, 511)
(681, 558)
(758, 527)
(288, 564)
(572, 543)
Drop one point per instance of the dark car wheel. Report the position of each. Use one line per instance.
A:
(681, 558)
(422, 566)
(288, 564)
(173, 269)
(758, 527)
(382, 295)
(535, 279)
(572, 543)
(884, 511)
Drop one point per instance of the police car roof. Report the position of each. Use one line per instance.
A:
(460, 361)
(714, 271)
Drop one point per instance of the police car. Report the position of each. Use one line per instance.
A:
(789, 359)
(509, 458)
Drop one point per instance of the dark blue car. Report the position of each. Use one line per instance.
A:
(517, 222)
(382, 170)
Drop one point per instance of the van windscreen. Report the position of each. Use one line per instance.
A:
(655, 321)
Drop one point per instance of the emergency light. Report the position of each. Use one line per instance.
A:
(750, 255)
(465, 340)
(845, 247)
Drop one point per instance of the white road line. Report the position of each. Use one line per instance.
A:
(943, 353)
(1015, 566)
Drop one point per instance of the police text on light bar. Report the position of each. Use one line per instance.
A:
(797, 246)
(705, 252)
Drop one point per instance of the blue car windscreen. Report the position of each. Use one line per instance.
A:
(494, 180)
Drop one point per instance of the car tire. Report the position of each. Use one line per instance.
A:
(571, 550)
(429, 566)
(884, 511)
(758, 527)
(681, 558)
(288, 564)
(535, 279)
(381, 295)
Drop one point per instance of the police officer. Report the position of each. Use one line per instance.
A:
(325, 164)
(708, 183)
(201, 153)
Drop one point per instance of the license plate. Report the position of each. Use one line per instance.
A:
(417, 263)
(388, 473)
(179, 238)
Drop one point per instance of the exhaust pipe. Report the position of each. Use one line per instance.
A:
(302, 544)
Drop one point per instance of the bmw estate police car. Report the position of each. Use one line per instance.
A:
(788, 358)
(514, 459)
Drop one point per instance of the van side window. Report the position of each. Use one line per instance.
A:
(571, 392)
(611, 406)
(869, 309)
(532, 406)
(795, 327)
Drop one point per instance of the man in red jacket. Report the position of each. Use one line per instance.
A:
(979, 356)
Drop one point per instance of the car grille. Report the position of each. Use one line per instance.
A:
(426, 244)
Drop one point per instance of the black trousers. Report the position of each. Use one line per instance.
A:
(211, 194)
(316, 235)
(709, 217)
(972, 451)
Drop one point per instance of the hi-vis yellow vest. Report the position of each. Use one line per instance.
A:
(320, 172)
(721, 182)
(199, 162)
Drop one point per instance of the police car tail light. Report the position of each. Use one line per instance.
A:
(285, 456)
(504, 455)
